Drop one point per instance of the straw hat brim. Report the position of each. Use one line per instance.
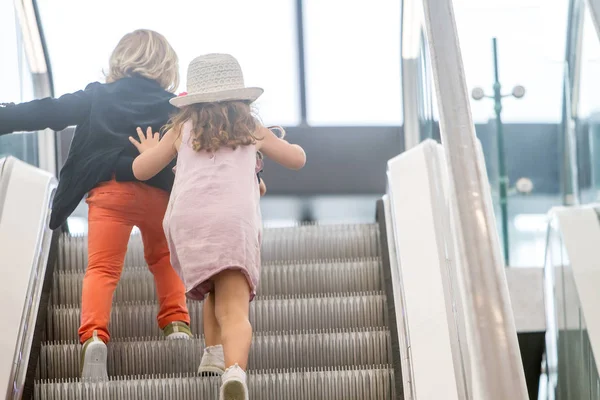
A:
(244, 94)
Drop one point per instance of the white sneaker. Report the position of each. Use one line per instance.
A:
(234, 385)
(213, 361)
(93, 359)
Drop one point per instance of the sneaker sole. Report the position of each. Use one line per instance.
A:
(178, 336)
(210, 371)
(234, 390)
(94, 361)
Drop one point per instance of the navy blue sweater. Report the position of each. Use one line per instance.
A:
(105, 115)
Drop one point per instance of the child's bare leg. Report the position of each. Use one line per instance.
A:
(212, 333)
(232, 295)
(212, 360)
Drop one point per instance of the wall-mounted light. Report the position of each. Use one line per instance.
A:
(31, 36)
(524, 186)
(517, 92)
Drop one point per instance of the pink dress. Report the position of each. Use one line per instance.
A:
(213, 221)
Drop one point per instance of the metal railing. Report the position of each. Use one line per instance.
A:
(494, 369)
(41, 74)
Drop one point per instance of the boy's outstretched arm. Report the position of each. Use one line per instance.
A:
(56, 114)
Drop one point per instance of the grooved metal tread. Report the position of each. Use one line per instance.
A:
(375, 383)
(270, 351)
(319, 321)
(327, 276)
(302, 243)
(346, 310)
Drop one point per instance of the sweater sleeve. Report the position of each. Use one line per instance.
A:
(124, 169)
(56, 114)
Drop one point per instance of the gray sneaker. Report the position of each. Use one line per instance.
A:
(93, 359)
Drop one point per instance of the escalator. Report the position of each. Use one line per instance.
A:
(320, 319)
(330, 296)
(363, 312)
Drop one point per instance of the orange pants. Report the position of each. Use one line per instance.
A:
(114, 209)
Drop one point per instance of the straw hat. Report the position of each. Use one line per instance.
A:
(213, 78)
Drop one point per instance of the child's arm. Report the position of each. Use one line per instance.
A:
(155, 153)
(56, 114)
(263, 187)
(289, 155)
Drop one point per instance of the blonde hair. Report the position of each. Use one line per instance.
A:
(229, 124)
(146, 53)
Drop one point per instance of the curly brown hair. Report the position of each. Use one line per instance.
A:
(230, 124)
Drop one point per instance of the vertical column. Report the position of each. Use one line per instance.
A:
(46, 139)
(301, 62)
(412, 12)
(568, 142)
(37, 58)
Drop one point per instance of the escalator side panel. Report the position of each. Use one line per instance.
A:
(388, 286)
(27, 193)
(40, 323)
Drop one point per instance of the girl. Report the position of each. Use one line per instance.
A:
(213, 221)
(143, 73)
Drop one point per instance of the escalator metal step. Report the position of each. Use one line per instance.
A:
(270, 351)
(302, 243)
(340, 311)
(333, 384)
(321, 242)
(137, 284)
(319, 321)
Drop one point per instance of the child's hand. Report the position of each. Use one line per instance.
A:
(147, 141)
(263, 187)
(279, 150)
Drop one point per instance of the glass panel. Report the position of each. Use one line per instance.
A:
(9, 67)
(571, 366)
(353, 62)
(260, 33)
(553, 302)
(588, 119)
(16, 84)
(530, 54)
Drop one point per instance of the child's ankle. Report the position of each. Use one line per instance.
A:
(236, 367)
(216, 349)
